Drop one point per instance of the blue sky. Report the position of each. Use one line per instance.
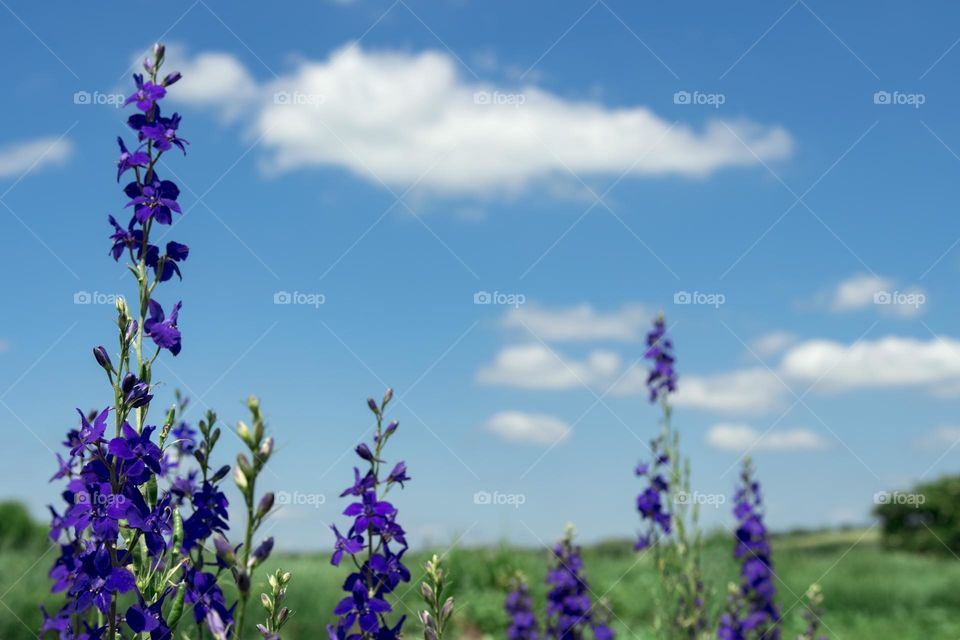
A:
(785, 164)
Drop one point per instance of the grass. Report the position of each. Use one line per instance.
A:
(870, 592)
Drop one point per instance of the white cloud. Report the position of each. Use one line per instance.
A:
(19, 157)
(750, 391)
(773, 343)
(534, 366)
(743, 437)
(406, 117)
(941, 438)
(580, 323)
(886, 362)
(212, 80)
(864, 291)
(528, 428)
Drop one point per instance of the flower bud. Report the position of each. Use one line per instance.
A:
(262, 552)
(224, 551)
(266, 448)
(447, 610)
(391, 428)
(103, 358)
(373, 405)
(283, 615)
(240, 478)
(387, 397)
(266, 602)
(122, 311)
(244, 432)
(266, 503)
(364, 452)
(220, 474)
(427, 592)
(171, 78)
(130, 331)
(159, 50)
(285, 578)
(243, 581)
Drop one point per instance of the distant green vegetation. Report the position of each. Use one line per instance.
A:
(871, 592)
(925, 518)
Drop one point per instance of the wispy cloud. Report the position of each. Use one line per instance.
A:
(580, 323)
(742, 437)
(866, 291)
(20, 157)
(406, 118)
(534, 366)
(528, 428)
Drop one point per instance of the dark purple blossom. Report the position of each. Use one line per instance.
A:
(752, 613)
(155, 198)
(130, 160)
(662, 378)
(570, 611)
(519, 607)
(162, 330)
(147, 93)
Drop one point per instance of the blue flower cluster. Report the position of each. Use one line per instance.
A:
(129, 559)
(752, 611)
(570, 611)
(661, 382)
(519, 608)
(375, 543)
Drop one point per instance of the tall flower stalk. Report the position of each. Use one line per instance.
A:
(375, 542)
(137, 522)
(570, 610)
(519, 607)
(666, 507)
(752, 612)
(436, 617)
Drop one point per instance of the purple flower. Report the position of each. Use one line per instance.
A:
(519, 607)
(662, 379)
(130, 160)
(162, 330)
(161, 131)
(154, 199)
(569, 608)
(89, 435)
(752, 613)
(650, 502)
(372, 542)
(147, 93)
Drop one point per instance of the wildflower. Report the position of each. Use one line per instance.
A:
(569, 608)
(662, 378)
(129, 160)
(155, 198)
(146, 95)
(375, 541)
(519, 607)
(162, 330)
(752, 613)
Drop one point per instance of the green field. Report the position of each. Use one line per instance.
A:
(870, 593)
